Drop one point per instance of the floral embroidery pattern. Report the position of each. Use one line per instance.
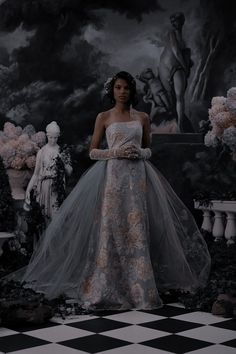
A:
(121, 274)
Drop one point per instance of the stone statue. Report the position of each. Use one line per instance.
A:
(174, 69)
(46, 173)
(161, 117)
(155, 92)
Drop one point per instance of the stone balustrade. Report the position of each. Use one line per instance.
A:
(219, 217)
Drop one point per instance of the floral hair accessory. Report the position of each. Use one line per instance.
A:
(107, 84)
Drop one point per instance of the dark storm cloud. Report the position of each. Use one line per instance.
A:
(33, 12)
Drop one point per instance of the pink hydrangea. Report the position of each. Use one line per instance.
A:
(18, 146)
(229, 138)
(28, 148)
(231, 93)
(211, 139)
(7, 151)
(10, 130)
(13, 143)
(3, 137)
(18, 130)
(231, 105)
(8, 161)
(29, 129)
(217, 131)
(222, 115)
(224, 119)
(231, 100)
(213, 111)
(218, 100)
(39, 138)
(30, 161)
(18, 163)
(24, 138)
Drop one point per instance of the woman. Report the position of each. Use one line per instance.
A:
(122, 234)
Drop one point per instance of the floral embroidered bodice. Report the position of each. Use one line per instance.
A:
(124, 133)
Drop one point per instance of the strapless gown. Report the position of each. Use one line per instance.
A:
(121, 236)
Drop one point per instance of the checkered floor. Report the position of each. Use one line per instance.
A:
(171, 329)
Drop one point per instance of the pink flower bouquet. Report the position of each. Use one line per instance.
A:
(18, 146)
(222, 116)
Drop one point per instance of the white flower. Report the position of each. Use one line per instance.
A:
(219, 100)
(107, 84)
(229, 138)
(211, 139)
(231, 100)
(231, 93)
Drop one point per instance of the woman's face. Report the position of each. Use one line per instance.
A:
(52, 138)
(121, 91)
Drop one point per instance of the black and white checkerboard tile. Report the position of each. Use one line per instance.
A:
(171, 329)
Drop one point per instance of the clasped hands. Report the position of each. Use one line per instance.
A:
(131, 152)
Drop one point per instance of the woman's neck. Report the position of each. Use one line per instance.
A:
(122, 108)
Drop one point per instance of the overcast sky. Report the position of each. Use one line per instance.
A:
(129, 43)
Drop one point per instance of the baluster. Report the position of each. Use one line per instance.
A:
(218, 227)
(207, 220)
(230, 230)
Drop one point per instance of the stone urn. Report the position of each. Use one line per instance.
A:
(18, 180)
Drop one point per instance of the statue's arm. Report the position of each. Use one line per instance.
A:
(176, 49)
(34, 179)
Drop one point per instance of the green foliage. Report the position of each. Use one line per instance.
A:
(222, 279)
(212, 174)
(7, 213)
(18, 250)
(58, 184)
(36, 222)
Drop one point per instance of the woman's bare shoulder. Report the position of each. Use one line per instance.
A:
(104, 117)
(143, 116)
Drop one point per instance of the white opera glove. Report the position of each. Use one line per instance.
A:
(105, 154)
(145, 153)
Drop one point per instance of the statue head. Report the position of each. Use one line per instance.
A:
(52, 132)
(177, 20)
